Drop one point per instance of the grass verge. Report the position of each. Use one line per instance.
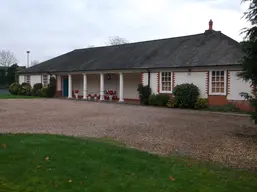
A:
(59, 163)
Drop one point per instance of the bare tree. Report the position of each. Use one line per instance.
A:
(34, 62)
(90, 46)
(116, 40)
(7, 58)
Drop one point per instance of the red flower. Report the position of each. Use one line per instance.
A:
(76, 91)
(111, 93)
(106, 97)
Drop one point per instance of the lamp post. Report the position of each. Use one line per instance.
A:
(28, 58)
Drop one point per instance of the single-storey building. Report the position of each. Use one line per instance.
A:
(210, 60)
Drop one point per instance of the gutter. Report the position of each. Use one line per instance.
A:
(132, 69)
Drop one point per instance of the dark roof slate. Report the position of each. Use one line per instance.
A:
(211, 48)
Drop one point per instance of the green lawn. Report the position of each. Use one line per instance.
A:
(10, 96)
(76, 165)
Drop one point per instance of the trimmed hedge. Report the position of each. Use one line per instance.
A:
(186, 95)
(201, 103)
(144, 94)
(14, 88)
(44, 91)
(25, 89)
(36, 91)
(159, 99)
(51, 88)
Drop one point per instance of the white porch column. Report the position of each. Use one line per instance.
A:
(84, 86)
(121, 88)
(70, 87)
(101, 87)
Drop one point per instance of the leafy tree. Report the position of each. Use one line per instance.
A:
(249, 61)
(11, 73)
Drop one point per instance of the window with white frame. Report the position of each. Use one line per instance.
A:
(27, 79)
(166, 81)
(218, 82)
(45, 80)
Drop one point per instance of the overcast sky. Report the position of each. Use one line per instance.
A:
(52, 27)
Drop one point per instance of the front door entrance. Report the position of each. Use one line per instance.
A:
(65, 87)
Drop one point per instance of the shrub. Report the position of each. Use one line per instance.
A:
(36, 87)
(185, 95)
(39, 93)
(159, 99)
(25, 89)
(51, 88)
(170, 104)
(44, 91)
(144, 94)
(25, 84)
(14, 88)
(201, 103)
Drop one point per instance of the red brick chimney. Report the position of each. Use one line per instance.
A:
(210, 25)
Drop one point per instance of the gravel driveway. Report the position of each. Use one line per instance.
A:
(227, 139)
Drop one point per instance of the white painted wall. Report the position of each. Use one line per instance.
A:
(35, 79)
(93, 83)
(77, 83)
(113, 83)
(197, 78)
(21, 79)
(236, 86)
(131, 81)
(153, 81)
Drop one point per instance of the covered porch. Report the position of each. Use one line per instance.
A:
(100, 86)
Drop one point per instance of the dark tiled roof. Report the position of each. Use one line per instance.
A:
(206, 49)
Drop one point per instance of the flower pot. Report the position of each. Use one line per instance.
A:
(110, 97)
(89, 98)
(76, 95)
(95, 98)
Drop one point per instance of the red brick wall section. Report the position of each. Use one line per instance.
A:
(243, 105)
(217, 100)
(58, 93)
(173, 80)
(207, 82)
(228, 82)
(158, 82)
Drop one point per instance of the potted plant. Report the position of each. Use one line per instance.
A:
(76, 93)
(110, 95)
(89, 97)
(95, 97)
